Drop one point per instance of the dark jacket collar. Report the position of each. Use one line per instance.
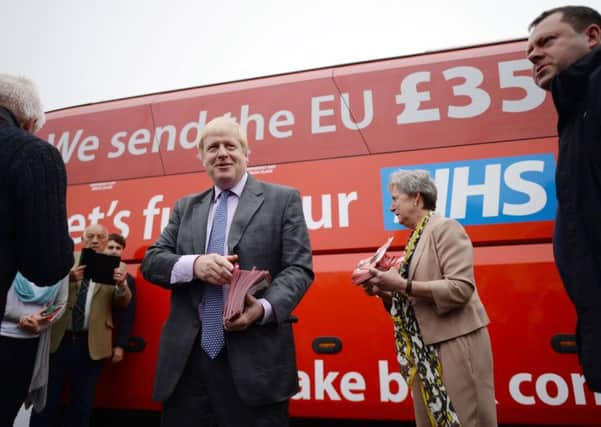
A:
(7, 118)
(570, 86)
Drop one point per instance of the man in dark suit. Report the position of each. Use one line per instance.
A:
(565, 50)
(33, 185)
(244, 375)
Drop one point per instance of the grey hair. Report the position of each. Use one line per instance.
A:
(412, 182)
(20, 96)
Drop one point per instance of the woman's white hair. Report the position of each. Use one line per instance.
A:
(20, 96)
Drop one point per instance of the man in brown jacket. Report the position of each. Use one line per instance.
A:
(82, 338)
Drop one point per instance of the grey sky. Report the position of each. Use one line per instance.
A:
(82, 51)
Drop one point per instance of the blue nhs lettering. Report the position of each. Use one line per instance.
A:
(487, 191)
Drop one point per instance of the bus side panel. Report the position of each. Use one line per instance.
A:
(525, 300)
(428, 105)
(460, 97)
(129, 384)
(523, 296)
(346, 204)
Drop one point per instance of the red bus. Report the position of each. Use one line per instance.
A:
(471, 116)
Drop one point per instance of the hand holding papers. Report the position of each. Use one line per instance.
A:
(242, 283)
(380, 260)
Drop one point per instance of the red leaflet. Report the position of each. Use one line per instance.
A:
(380, 260)
(52, 311)
(243, 282)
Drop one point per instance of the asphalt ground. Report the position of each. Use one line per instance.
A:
(108, 418)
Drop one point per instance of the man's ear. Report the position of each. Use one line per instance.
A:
(593, 35)
(28, 125)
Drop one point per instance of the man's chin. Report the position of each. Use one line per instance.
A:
(544, 82)
(225, 181)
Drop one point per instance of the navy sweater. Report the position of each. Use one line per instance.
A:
(34, 236)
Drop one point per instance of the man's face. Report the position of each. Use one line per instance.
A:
(95, 237)
(113, 248)
(553, 46)
(224, 158)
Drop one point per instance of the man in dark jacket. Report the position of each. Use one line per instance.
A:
(124, 318)
(34, 237)
(565, 50)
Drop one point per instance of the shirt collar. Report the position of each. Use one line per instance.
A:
(570, 86)
(236, 189)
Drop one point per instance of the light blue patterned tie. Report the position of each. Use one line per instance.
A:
(212, 314)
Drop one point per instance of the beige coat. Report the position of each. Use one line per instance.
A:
(100, 321)
(444, 258)
(455, 321)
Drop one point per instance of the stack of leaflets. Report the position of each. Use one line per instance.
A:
(243, 282)
(380, 260)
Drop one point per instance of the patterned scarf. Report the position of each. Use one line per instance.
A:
(413, 355)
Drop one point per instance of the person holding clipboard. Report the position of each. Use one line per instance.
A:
(82, 338)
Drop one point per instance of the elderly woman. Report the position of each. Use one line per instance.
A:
(442, 342)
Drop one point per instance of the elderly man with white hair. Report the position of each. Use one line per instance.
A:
(34, 237)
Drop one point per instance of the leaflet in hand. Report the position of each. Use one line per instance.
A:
(52, 311)
(243, 282)
(380, 260)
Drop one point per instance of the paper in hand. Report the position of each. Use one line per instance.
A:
(52, 311)
(243, 282)
(380, 260)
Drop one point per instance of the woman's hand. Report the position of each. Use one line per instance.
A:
(32, 322)
(387, 281)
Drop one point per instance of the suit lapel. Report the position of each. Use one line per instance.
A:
(200, 218)
(250, 201)
(421, 245)
(97, 288)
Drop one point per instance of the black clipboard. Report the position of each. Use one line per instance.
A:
(99, 267)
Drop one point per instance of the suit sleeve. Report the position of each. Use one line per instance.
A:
(455, 256)
(161, 256)
(44, 249)
(291, 283)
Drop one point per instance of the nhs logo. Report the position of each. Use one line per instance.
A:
(498, 190)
